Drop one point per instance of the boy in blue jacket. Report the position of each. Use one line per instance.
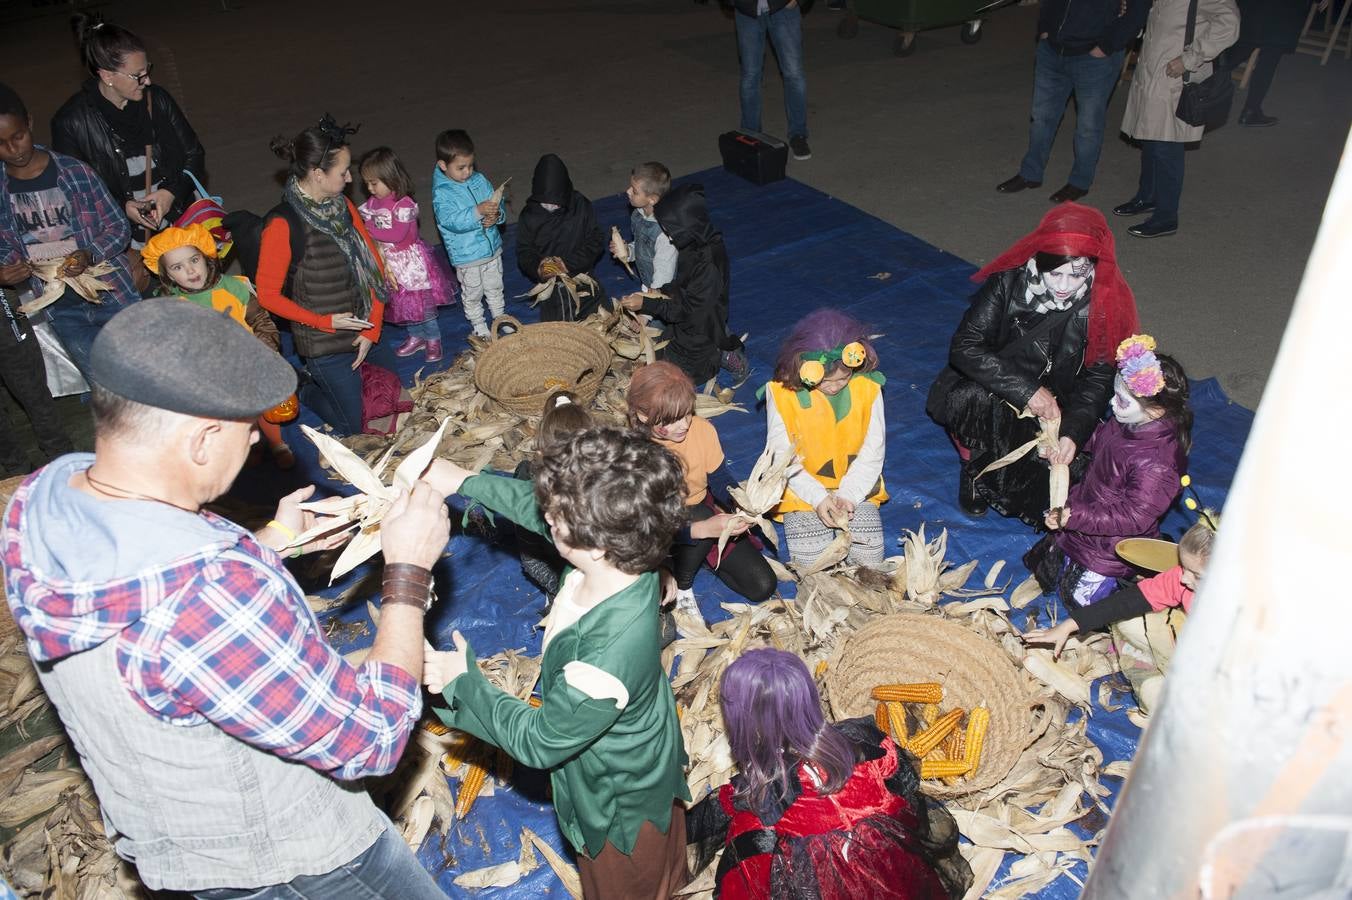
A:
(468, 219)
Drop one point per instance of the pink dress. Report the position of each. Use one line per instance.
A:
(422, 281)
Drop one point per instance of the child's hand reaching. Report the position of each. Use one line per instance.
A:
(632, 301)
(1055, 636)
(1056, 518)
(618, 248)
(445, 476)
(441, 667)
(835, 511)
(488, 213)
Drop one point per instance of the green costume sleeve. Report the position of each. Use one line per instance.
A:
(544, 738)
(512, 498)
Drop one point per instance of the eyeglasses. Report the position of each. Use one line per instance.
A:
(141, 79)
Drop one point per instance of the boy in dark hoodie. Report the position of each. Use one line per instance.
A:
(697, 309)
(557, 234)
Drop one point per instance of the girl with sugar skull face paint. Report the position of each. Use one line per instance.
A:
(1137, 458)
(1039, 336)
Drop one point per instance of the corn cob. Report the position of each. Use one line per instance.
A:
(436, 728)
(880, 718)
(896, 715)
(928, 739)
(943, 768)
(977, 723)
(820, 670)
(470, 786)
(535, 702)
(930, 713)
(925, 692)
(951, 749)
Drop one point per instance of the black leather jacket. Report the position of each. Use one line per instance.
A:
(987, 349)
(81, 131)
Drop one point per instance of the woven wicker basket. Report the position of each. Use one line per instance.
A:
(521, 370)
(908, 648)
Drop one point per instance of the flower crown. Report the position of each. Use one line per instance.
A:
(1139, 365)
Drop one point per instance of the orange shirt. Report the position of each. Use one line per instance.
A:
(700, 453)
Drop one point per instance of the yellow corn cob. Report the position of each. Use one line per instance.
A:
(820, 670)
(881, 719)
(953, 745)
(896, 716)
(943, 768)
(930, 713)
(535, 702)
(928, 739)
(924, 692)
(459, 751)
(680, 712)
(977, 723)
(434, 727)
(470, 786)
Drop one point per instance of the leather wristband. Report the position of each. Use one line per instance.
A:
(407, 585)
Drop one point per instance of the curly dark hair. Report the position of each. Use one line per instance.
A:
(611, 489)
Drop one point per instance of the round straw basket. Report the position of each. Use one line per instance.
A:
(521, 370)
(907, 649)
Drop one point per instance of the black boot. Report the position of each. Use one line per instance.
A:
(969, 500)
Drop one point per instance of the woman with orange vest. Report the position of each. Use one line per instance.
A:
(825, 406)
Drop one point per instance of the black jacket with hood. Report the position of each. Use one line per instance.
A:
(1074, 27)
(570, 232)
(81, 131)
(698, 309)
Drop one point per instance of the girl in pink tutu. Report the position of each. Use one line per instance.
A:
(421, 282)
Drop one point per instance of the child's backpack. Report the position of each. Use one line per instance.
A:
(246, 230)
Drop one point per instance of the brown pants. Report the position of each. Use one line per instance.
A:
(653, 871)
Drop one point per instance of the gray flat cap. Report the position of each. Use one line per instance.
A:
(172, 354)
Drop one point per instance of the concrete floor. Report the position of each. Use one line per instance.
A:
(920, 142)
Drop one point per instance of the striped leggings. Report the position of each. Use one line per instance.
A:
(807, 536)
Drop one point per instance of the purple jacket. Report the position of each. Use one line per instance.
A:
(1132, 479)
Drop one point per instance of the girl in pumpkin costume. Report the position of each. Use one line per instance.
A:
(186, 261)
(825, 406)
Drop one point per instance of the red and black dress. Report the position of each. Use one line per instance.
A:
(875, 837)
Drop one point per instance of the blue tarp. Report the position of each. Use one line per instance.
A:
(793, 250)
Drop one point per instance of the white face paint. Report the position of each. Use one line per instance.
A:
(1127, 407)
(1065, 280)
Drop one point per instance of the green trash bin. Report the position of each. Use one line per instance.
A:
(911, 16)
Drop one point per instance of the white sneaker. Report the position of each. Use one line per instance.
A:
(689, 620)
(481, 331)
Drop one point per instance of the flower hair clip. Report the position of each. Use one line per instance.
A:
(1139, 365)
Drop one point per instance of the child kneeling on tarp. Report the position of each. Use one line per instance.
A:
(1145, 617)
(611, 501)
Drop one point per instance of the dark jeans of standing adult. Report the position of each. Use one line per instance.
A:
(1056, 79)
(24, 375)
(388, 869)
(1260, 79)
(334, 390)
(1161, 180)
(785, 31)
(743, 568)
(77, 322)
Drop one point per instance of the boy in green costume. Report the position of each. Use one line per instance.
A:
(607, 729)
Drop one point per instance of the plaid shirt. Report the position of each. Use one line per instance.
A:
(222, 636)
(100, 225)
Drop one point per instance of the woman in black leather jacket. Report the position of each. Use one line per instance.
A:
(1040, 336)
(115, 115)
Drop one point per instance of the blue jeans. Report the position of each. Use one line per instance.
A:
(387, 869)
(785, 30)
(1091, 80)
(77, 322)
(1161, 179)
(334, 391)
(429, 330)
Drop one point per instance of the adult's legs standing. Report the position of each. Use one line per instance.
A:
(1168, 173)
(334, 391)
(1095, 80)
(1052, 87)
(751, 51)
(786, 34)
(1145, 187)
(1264, 68)
(24, 374)
(77, 322)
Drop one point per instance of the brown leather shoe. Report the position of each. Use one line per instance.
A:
(1016, 184)
(1068, 194)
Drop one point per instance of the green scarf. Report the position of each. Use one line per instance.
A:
(333, 218)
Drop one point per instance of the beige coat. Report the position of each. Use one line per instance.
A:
(1154, 95)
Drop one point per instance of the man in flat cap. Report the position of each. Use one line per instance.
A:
(223, 735)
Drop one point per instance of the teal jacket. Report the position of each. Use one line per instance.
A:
(453, 204)
(612, 769)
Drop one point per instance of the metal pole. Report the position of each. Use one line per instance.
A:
(1243, 783)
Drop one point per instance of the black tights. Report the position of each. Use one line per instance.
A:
(743, 568)
(1260, 79)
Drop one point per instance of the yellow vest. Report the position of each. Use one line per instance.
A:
(825, 446)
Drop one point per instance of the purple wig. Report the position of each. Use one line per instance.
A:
(774, 721)
(822, 329)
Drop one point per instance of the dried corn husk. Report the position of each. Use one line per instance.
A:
(87, 284)
(1047, 440)
(760, 493)
(566, 873)
(623, 256)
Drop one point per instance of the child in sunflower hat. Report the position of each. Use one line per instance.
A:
(825, 406)
(1137, 458)
(188, 266)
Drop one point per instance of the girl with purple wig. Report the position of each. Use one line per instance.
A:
(825, 405)
(822, 811)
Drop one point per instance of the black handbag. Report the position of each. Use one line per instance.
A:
(1206, 103)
